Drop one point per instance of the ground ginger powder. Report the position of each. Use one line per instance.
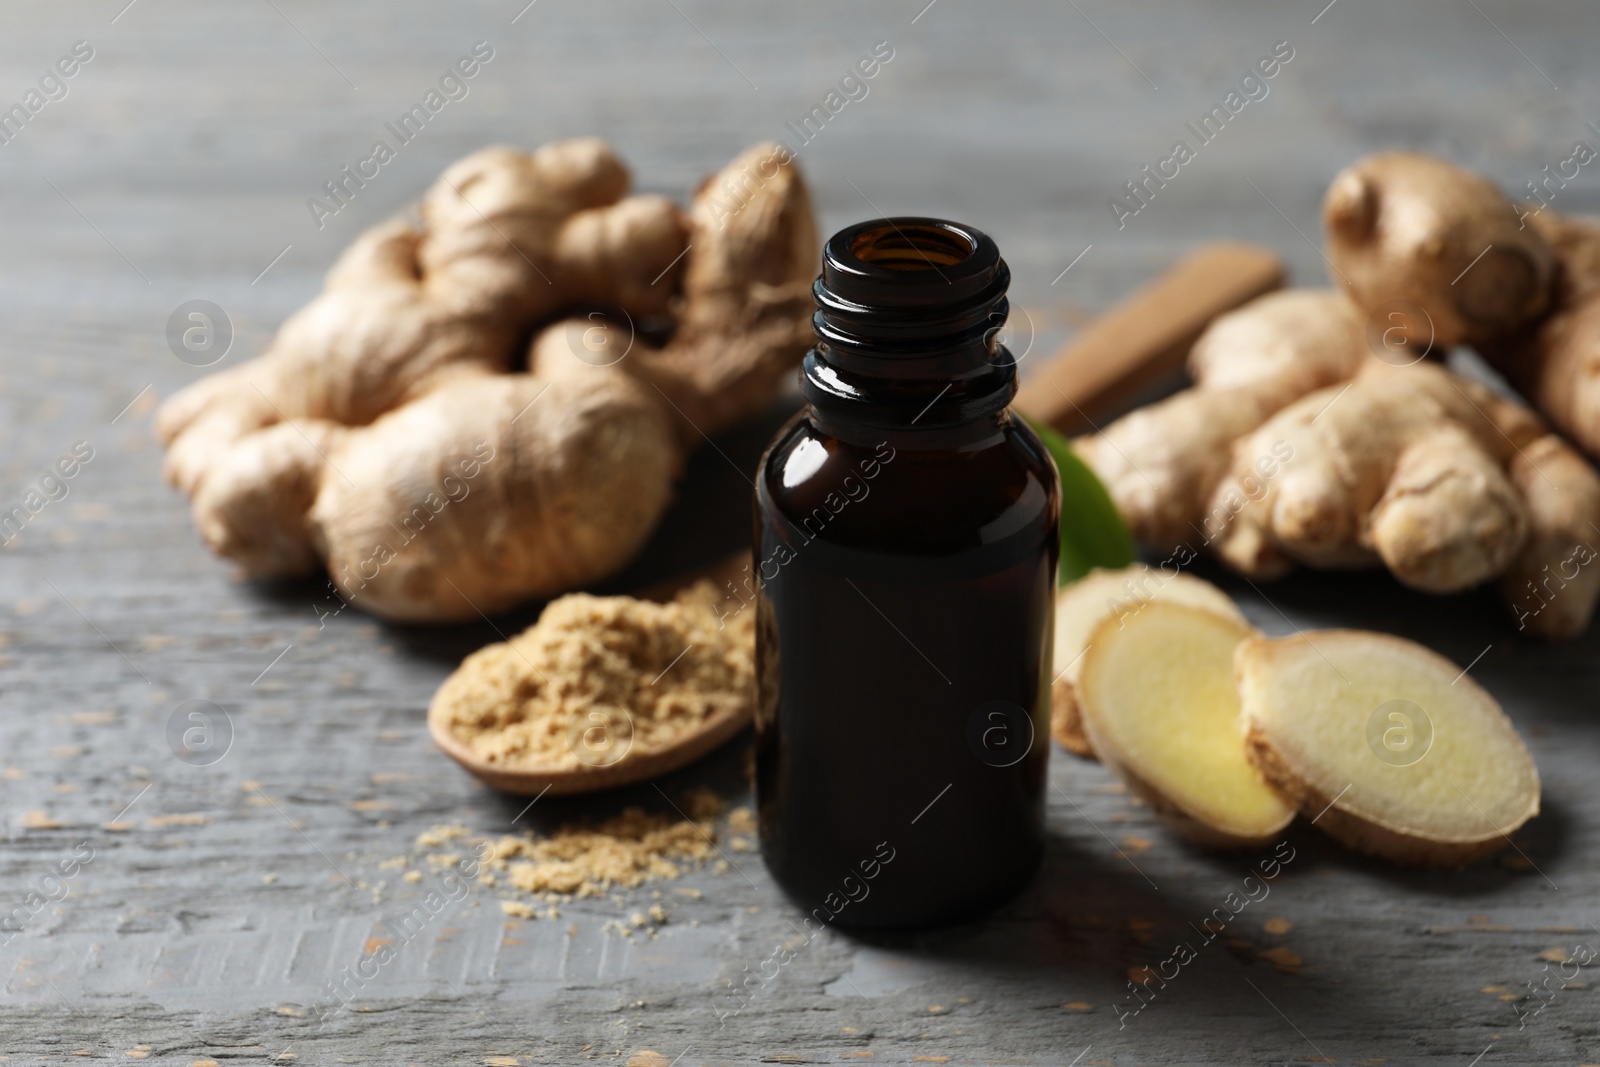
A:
(647, 673)
(633, 848)
(623, 852)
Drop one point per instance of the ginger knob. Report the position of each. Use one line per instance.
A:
(1351, 206)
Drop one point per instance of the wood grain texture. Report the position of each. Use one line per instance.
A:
(203, 927)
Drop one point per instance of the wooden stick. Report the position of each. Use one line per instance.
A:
(1145, 339)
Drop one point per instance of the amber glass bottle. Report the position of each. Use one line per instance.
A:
(906, 543)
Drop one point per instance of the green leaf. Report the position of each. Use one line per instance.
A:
(1092, 532)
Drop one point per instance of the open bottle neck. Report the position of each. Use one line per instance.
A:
(908, 315)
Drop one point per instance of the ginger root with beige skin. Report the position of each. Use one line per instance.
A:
(1161, 463)
(1403, 226)
(1409, 229)
(387, 434)
(1406, 466)
(1297, 445)
(507, 239)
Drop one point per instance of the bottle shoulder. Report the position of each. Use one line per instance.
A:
(901, 497)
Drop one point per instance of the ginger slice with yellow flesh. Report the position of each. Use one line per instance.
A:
(1101, 594)
(1392, 748)
(1161, 710)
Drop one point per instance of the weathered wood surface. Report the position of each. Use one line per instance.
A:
(178, 167)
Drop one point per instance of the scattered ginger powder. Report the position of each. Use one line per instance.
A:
(627, 851)
(623, 852)
(649, 673)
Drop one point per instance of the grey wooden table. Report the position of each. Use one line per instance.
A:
(199, 923)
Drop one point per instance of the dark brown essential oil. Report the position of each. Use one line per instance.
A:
(906, 543)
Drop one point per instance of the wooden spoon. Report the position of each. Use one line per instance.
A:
(636, 766)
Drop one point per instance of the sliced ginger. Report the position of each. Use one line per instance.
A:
(1161, 709)
(1390, 747)
(1387, 746)
(1099, 595)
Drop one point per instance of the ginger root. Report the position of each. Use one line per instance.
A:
(1530, 304)
(1299, 445)
(1160, 708)
(507, 239)
(1409, 229)
(1162, 462)
(1102, 594)
(1405, 465)
(389, 433)
(1389, 747)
